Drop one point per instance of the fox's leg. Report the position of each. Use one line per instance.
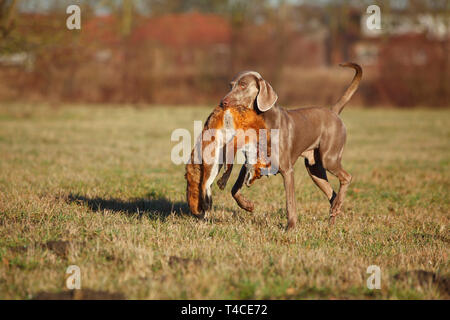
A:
(229, 152)
(222, 182)
(255, 173)
(236, 191)
(265, 165)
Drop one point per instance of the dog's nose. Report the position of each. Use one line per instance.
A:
(224, 103)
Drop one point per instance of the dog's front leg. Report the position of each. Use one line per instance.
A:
(288, 177)
(236, 191)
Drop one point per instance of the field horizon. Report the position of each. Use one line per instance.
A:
(95, 188)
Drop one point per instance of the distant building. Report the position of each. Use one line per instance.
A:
(401, 31)
(183, 40)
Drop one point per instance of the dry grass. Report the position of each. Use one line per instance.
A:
(102, 180)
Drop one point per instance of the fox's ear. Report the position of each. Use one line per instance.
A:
(266, 97)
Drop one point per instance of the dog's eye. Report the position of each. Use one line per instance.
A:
(243, 85)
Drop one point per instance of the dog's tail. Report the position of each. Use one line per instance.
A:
(338, 106)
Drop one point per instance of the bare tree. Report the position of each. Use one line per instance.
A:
(7, 15)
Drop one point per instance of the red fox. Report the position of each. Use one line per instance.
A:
(242, 126)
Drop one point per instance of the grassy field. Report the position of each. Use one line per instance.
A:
(95, 187)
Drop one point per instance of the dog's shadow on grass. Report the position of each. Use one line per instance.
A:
(159, 208)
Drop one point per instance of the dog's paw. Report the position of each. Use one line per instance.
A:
(332, 220)
(335, 211)
(291, 225)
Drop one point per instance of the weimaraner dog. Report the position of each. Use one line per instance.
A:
(315, 133)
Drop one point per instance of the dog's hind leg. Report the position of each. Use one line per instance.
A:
(318, 175)
(345, 178)
(330, 151)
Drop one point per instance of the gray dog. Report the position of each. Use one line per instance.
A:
(316, 133)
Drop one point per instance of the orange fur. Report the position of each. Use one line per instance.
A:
(246, 119)
(197, 174)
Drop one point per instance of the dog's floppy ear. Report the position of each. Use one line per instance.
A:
(266, 97)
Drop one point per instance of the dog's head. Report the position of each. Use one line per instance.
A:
(247, 89)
